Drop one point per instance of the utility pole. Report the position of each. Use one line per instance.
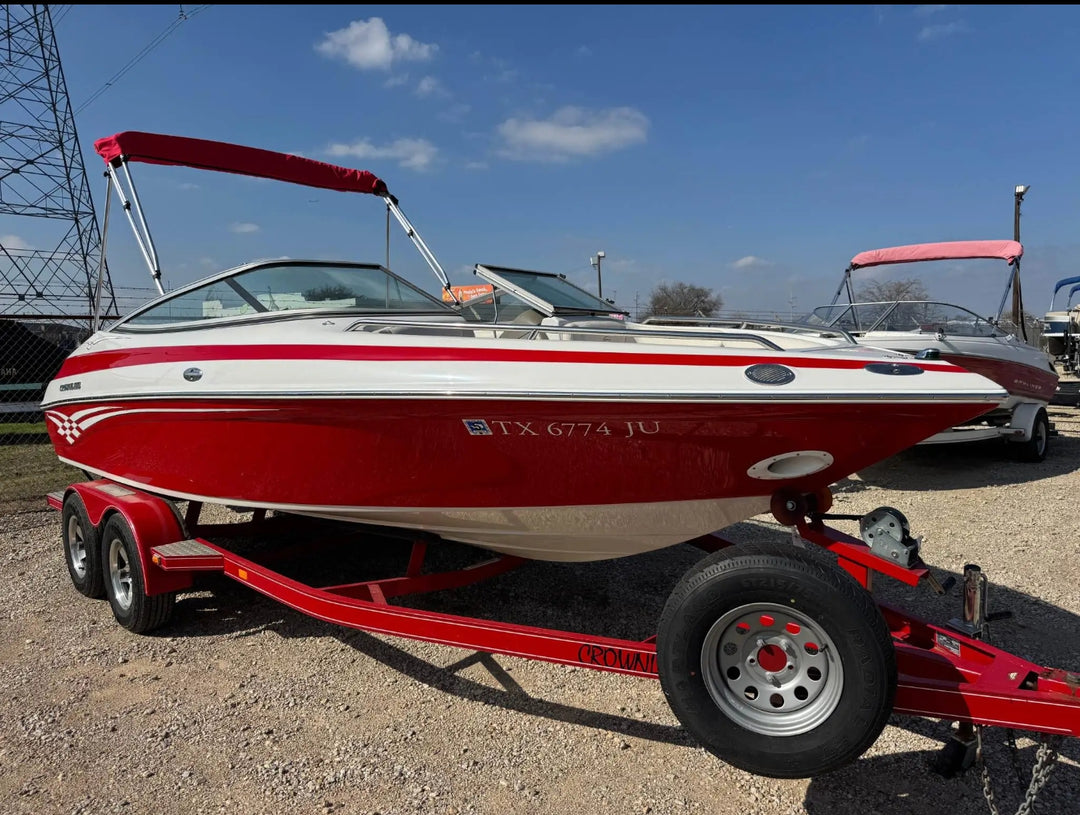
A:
(595, 261)
(1017, 316)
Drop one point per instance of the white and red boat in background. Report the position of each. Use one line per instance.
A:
(341, 390)
(950, 332)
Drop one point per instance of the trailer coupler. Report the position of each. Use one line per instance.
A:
(951, 672)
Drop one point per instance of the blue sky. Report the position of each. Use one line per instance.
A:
(749, 149)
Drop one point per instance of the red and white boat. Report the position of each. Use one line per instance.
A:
(536, 421)
(950, 332)
(341, 390)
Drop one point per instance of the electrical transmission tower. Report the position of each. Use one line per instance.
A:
(42, 176)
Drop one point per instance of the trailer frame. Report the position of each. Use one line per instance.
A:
(944, 672)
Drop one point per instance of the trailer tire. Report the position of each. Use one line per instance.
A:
(1034, 449)
(125, 585)
(82, 550)
(776, 660)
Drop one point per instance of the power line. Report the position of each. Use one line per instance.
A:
(60, 13)
(154, 43)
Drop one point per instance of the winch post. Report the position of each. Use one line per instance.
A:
(961, 750)
(973, 622)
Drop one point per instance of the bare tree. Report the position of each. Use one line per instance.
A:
(890, 290)
(683, 300)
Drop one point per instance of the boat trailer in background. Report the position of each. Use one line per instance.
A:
(766, 664)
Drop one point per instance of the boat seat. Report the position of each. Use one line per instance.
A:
(616, 327)
(454, 327)
(528, 317)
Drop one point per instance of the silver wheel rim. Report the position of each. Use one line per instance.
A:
(771, 669)
(1040, 437)
(120, 573)
(76, 543)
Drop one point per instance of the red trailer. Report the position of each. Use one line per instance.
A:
(774, 656)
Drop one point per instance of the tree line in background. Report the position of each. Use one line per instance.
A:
(688, 300)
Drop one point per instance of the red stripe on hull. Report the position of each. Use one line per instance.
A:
(105, 360)
(420, 453)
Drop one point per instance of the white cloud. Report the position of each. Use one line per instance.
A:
(416, 154)
(750, 262)
(926, 10)
(937, 32)
(396, 81)
(476, 165)
(368, 44)
(430, 86)
(572, 133)
(14, 242)
(243, 228)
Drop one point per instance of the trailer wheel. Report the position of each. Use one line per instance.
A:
(124, 582)
(82, 551)
(1034, 449)
(776, 660)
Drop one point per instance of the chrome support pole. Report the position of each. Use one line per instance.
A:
(96, 323)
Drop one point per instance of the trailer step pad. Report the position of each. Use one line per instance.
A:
(188, 555)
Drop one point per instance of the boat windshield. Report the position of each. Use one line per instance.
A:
(906, 315)
(287, 286)
(551, 294)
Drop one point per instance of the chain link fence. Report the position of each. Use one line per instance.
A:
(32, 349)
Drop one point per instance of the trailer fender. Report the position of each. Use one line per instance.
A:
(152, 522)
(1023, 418)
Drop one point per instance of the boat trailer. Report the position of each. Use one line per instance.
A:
(779, 654)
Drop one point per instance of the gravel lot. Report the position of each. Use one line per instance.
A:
(241, 705)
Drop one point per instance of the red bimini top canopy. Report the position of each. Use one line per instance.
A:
(1009, 251)
(201, 154)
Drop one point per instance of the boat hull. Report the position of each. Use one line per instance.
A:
(549, 479)
(1025, 372)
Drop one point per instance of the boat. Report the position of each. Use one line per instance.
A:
(1061, 328)
(939, 330)
(563, 432)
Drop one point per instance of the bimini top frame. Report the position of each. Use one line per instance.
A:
(152, 148)
(1059, 286)
(1009, 251)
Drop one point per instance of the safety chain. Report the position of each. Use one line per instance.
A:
(1045, 757)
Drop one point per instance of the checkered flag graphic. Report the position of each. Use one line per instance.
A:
(65, 426)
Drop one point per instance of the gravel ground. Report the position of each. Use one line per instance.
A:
(240, 705)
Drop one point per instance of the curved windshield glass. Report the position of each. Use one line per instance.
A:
(290, 286)
(905, 315)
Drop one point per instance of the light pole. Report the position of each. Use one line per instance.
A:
(1017, 317)
(595, 261)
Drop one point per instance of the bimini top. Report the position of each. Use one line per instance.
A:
(1062, 284)
(152, 148)
(1010, 251)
